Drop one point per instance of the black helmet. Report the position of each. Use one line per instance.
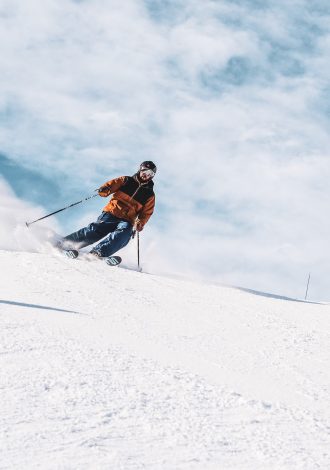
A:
(148, 165)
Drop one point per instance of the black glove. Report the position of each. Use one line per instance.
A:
(104, 191)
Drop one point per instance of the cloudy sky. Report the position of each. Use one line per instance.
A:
(231, 99)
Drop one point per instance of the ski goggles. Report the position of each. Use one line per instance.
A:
(148, 172)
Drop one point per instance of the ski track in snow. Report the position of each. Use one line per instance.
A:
(108, 368)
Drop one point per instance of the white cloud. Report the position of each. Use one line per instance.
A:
(229, 98)
(14, 213)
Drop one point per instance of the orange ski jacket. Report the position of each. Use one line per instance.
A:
(132, 199)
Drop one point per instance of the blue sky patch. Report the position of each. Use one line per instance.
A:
(28, 184)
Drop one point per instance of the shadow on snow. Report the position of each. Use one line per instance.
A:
(274, 296)
(43, 307)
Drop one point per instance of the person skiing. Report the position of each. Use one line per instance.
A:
(129, 209)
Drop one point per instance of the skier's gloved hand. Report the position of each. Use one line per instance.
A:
(139, 226)
(104, 191)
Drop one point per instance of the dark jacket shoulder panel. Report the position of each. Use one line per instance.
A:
(140, 192)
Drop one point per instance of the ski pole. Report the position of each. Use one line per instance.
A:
(134, 232)
(60, 210)
(138, 250)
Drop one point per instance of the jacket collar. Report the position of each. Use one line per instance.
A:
(148, 184)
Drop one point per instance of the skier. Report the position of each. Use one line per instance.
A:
(130, 208)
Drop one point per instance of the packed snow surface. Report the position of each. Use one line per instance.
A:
(108, 368)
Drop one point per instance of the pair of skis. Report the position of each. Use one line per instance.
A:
(109, 260)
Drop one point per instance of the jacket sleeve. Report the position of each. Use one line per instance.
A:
(146, 212)
(111, 186)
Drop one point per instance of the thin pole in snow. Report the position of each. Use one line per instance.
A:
(309, 277)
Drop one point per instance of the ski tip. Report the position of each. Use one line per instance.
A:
(71, 253)
(113, 260)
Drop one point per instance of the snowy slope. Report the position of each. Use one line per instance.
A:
(106, 368)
